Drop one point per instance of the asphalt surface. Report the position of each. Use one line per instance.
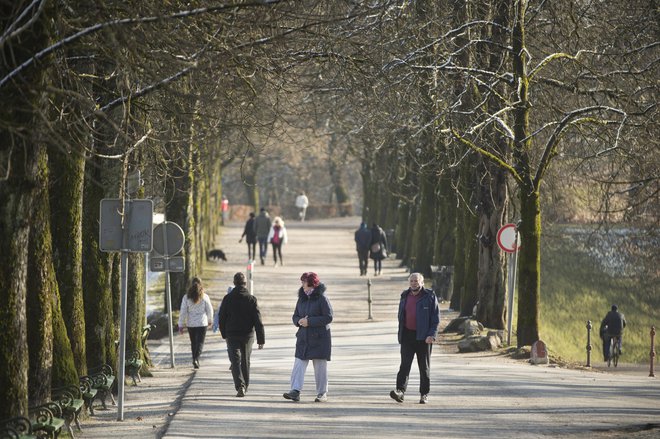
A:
(472, 395)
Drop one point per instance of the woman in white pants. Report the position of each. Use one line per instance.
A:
(312, 316)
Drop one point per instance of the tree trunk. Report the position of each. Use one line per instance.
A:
(41, 284)
(424, 228)
(66, 194)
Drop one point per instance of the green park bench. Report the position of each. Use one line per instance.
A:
(71, 402)
(102, 379)
(134, 359)
(48, 419)
(88, 393)
(16, 428)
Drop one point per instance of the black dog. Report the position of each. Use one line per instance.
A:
(214, 255)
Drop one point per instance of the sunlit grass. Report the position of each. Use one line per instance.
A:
(575, 288)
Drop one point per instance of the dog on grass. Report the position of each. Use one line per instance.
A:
(215, 255)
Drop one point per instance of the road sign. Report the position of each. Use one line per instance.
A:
(174, 263)
(508, 238)
(168, 238)
(136, 233)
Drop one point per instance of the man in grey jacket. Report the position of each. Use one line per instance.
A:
(262, 227)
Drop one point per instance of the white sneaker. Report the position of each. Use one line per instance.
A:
(321, 398)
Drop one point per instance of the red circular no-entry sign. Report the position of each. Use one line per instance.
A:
(508, 238)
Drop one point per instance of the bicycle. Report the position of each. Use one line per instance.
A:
(615, 351)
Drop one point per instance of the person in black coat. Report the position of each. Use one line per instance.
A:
(312, 316)
(378, 250)
(250, 234)
(362, 245)
(239, 319)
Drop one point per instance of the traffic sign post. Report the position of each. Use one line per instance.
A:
(508, 240)
(250, 273)
(125, 226)
(168, 241)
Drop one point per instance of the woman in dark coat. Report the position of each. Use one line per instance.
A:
(312, 316)
(378, 250)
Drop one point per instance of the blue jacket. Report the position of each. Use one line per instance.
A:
(313, 342)
(428, 314)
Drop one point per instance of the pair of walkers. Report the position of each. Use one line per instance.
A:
(418, 316)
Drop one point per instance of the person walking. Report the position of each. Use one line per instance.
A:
(419, 317)
(378, 248)
(197, 315)
(312, 316)
(250, 235)
(224, 208)
(262, 226)
(277, 237)
(612, 326)
(239, 319)
(362, 244)
(301, 203)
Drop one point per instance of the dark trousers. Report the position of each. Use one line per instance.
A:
(409, 348)
(263, 248)
(277, 250)
(252, 246)
(378, 265)
(363, 257)
(197, 335)
(239, 350)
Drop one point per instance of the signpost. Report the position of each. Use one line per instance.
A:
(508, 240)
(168, 241)
(125, 226)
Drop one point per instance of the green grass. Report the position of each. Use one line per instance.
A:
(576, 287)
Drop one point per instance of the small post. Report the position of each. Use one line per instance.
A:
(250, 276)
(369, 298)
(652, 353)
(589, 326)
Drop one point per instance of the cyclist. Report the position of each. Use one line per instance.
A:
(612, 326)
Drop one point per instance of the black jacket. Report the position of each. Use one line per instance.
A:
(315, 341)
(240, 315)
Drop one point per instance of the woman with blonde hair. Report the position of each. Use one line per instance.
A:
(197, 315)
(277, 237)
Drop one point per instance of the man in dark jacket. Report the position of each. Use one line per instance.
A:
(250, 235)
(239, 318)
(262, 226)
(419, 317)
(612, 326)
(362, 244)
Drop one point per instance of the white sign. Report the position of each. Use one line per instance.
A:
(508, 238)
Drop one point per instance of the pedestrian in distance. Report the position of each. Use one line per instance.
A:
(378, 248)
(312, 316)
(262, 226)
(612, 326)
(419, 317)
(239, 319)
(362, 245)
(250, 235)
(197, 315)
(277, 237)
(224, 208)
(301, 203)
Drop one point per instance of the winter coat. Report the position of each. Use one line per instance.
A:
(249, 232)
(362, 239)
(281, 234)
(428, 314)
(194, 315)
(378, 236)
(613, 324)
(262, 225)
(313, 342)
(240, 315)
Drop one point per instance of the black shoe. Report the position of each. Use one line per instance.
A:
(241, 392)
(196, 364)
(423, 399)
(293, 395)
(397, 395)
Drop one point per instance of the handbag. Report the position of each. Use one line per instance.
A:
(375, 247)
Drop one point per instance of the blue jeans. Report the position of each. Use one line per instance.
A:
(263, 247)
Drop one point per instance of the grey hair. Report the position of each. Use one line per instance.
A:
(419, 276)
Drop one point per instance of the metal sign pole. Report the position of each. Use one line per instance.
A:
(122, 336)
(169, 296)
(250, 271)
(509, 320)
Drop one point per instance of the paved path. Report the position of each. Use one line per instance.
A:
(472, 395)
